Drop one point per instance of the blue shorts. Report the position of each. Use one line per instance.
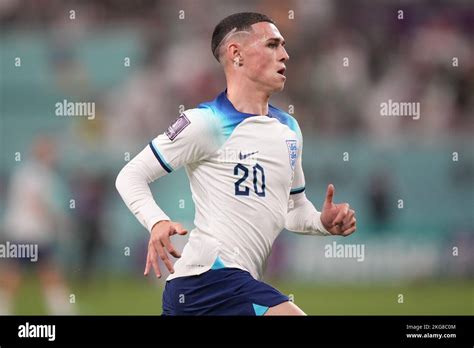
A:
(225, 291)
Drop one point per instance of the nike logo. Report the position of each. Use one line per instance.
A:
(242, 157)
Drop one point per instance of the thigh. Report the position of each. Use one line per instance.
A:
(285, 308)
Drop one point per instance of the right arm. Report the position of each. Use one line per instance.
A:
(187, 140)
(132, 184)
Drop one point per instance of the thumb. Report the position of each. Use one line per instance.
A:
(180, 229)
(329, 194)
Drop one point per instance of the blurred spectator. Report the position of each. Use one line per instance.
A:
(33, 217)
(380, 200)
(89, 190)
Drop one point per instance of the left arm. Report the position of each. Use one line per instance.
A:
(302, 216)
(334, 219)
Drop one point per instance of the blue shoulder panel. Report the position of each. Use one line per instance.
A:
(230, 118)
(284, 118)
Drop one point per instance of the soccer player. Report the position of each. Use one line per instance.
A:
(243, 160)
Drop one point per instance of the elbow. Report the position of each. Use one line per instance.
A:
(120, 181)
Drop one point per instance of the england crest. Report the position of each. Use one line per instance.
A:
(292, 152)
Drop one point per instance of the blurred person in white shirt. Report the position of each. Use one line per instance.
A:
(32, 218)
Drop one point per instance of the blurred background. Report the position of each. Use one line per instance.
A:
(140, 63)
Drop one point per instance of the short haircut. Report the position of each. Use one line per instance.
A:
(238, 21)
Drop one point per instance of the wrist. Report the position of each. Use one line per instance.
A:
(321, 226)
(157, 223)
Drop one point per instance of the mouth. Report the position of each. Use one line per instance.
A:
(282, 71)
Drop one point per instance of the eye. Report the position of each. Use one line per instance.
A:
(272, 45)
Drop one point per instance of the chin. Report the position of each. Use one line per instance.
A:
(279, 88)
(275, 87)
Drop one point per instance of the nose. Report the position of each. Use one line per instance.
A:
(284, 56)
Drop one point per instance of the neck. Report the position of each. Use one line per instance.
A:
(248, 99)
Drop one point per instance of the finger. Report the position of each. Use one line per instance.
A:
(179, 229)
(349, 231)
(330, 193)
(336, 230)
(348, 217)
(161, 252)
(171, 249)
(343, 209)
(182, 232)
(154, 262)
(349, 224)
(147, 265)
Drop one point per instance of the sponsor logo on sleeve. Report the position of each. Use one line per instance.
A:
(177, 127)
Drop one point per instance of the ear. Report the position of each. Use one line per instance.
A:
(233, 53)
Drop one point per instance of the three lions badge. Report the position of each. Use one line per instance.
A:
(292, 152)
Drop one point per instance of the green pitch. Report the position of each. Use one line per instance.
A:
(113, 295)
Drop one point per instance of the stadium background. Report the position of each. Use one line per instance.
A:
(408, 250)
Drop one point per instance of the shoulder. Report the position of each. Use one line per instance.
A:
(285, 119)
(199, 124)
(197, 120)
(198, 114)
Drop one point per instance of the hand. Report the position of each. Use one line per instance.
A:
(338, 219)
(160, 243)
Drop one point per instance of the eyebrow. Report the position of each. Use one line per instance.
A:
(277, 40)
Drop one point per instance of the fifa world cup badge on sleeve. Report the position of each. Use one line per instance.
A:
(292, 152)
(177, 127)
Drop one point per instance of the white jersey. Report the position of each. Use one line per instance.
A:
(242, 169)
(30, 206)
